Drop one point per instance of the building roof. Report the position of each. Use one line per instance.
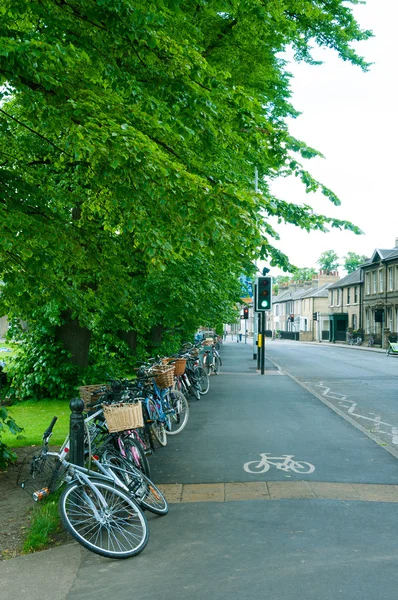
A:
(321, 292)
(287, 295)
(384, 254)
(350, 279)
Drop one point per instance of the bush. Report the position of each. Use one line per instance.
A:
(7, 423)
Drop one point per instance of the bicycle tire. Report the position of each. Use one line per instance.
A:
(206, 363)
(217, 365)
(194, 388)
(135, 453)
(145, 493)
(180, 406)
(203, 379)
(118, 530)
(156, 426)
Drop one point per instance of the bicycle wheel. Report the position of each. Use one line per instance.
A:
(103, 518)
(143, 490)
(135, 453)
(180, 414)
(194, 388)
(156, 426)
(206, 363)
(203, 379)
(217, 365)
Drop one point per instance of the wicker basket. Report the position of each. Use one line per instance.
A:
(120, 417)
(87, 393)
(207, 343)
(180, 365)
(164, 375)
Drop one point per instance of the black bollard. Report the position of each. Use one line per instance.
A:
(76, 432)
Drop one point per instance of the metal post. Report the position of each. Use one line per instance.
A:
(258, 333)
(254, 337)
(76, 432)
(263, 343)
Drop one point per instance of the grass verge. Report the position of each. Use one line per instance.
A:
(35, 417)
(45, 528)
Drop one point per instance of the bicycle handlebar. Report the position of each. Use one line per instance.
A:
(49, 429)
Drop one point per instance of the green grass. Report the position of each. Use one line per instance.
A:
(45, 525)
(35, 417)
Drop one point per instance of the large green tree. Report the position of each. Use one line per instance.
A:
(129, 136)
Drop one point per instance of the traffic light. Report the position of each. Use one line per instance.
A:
(315, 316)
(291, 319)
(264, 294)
(245, 312)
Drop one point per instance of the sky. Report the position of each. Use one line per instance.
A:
(351, 117)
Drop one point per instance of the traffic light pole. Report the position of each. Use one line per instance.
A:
(262, 343)
(259, 340)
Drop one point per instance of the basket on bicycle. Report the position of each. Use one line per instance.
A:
(88, 393)
(120, 417)
(164, 375)
(179, 365)
(207, 343)
(40, 474)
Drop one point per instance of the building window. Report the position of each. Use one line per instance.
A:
(374, 281)
(356, 288)
(338, 297)
(381, 281)
(367, 321)
(368, 283)
(390, 324)
(331, 297)
(390, 278)
(348, 295)
(354, 322)
(277, 310)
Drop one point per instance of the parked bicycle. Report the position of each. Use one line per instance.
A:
(355, 340)
(96, 508)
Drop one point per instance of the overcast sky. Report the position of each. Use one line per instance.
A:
(351, 117)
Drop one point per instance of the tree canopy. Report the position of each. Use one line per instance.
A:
(129, 136)
(353, 260)
(328, 260)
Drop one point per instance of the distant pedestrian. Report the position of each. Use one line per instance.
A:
(240, 335)
(225, 334)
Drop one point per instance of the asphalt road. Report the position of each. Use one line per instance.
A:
(362, 383)
(296, 545)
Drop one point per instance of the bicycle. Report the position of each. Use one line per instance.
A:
(355, 340)
(212, 360)
(95, 508)
(371, 341)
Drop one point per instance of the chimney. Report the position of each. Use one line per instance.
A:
(396, 243)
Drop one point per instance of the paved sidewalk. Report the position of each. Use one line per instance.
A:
(234, 532)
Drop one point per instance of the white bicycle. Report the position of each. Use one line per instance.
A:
(283, 463)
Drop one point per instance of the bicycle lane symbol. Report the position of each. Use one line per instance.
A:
(283, 463)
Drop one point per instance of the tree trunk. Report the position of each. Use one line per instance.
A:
(130, 337)
(76, 340)
(157, 335)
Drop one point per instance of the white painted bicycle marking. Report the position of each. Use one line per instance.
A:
(283, 463)
(342, 400)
